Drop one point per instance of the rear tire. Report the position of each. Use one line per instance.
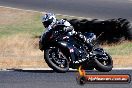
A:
(104, 68)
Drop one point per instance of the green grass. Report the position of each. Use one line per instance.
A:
(31, 26)
(24, 23)
(124, 48)
(34, 27)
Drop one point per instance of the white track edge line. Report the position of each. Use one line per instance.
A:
(12, 69)
(39, 11)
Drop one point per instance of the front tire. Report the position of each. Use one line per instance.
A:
(55, 59)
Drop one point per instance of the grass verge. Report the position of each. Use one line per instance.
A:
(19, 47)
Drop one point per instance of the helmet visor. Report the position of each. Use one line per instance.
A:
(47, 23)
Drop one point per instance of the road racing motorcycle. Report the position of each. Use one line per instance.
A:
(62, 50)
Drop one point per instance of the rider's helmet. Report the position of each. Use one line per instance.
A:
(48, 19)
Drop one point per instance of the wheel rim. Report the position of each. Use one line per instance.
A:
(106, 61)
(58, 58)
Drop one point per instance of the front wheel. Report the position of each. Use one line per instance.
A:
(104, 64)
(56, 59)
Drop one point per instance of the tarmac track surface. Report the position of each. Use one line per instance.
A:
(50, 79)
(100, 9)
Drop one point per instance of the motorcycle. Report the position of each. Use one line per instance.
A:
(61, 50)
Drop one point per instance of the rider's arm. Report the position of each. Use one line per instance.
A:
(44, 37)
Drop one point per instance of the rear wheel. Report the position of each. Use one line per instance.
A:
(56, 60)
(104, 64)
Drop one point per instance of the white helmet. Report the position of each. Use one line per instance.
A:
(48, 19)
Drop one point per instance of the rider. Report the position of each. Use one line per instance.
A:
(50, 22)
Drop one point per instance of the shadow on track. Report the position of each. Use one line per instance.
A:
(47, 71)
(35, 71)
